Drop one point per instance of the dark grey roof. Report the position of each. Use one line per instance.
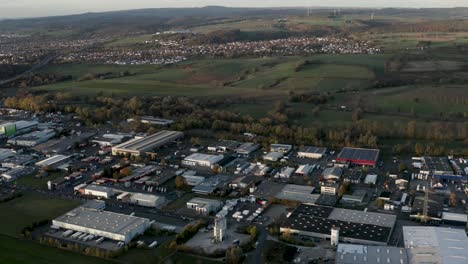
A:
(359, 154)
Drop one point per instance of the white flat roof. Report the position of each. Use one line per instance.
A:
(143, 144)
(52, 160)
(200, 157)
(450, 244)
(103, 220)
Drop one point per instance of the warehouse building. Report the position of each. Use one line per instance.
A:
(362, 254)
(280, 148)
(355, 226)
(98, 191)
(110, 140)
(193, 180)
(54, 161)
(332, 173)
(10, 129)
(16, 173)
(105, 224)
(311, 152)
(32, 139)
(428, 244)
(139, 146)
(436, 166)
(17, 161)
(204, 206)
(359, 156)
(153, 121)
(300, 193)
(305, 170)
(273, 156)
(141, 199)
(7, 129)
(247, 148)
(6, 153)
(224, 146)
(203, 160)
(212, 184)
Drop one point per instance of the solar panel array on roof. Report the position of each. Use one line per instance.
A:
(353, 224)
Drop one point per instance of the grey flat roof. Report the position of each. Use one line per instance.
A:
(299, 193)
(321, 219)
(102, 220)
(142, 144)
(361, 254)
(363, 217)
(359, 154)
(451, 245)
(316, 150)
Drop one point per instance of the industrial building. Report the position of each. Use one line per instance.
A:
(300, 193)
(354, 226)
(247, 148)
(10, 129)
(153, 121)
(139, 146)
(224, 146)
(32, 139)
(443, 169)
(204, 206)
(280, 148)
(305, 170)
(273, 156)
(211, 184)
(311, 152)
(193, 180)
(428, 244)
(105, 224)
(359, 156)
(371, 179)
(362, 254)
(285, 173)
(141, 199)
(53, 161)
(61, 145)
(16, 173)
(436, 166)
(98, 191)
(243, 182)
(110, 140)
(203, 160)
(6, 153)
(17, 161)
(332, 173)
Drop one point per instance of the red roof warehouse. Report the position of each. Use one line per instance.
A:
(359, 156)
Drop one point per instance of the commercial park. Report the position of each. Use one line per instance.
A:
(151, 187)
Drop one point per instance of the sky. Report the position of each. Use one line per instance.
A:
(37, 8)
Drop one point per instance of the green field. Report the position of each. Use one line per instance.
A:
(38, 183)
(31, 207)
(258, 77)
(17, 251)
(23, 211)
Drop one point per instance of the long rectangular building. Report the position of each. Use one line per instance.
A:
(106, 224)
(438, 245)
(359, 156)
(138, 146)
(355, 226)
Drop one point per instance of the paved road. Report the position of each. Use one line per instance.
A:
(41, 64)
(257, 254)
